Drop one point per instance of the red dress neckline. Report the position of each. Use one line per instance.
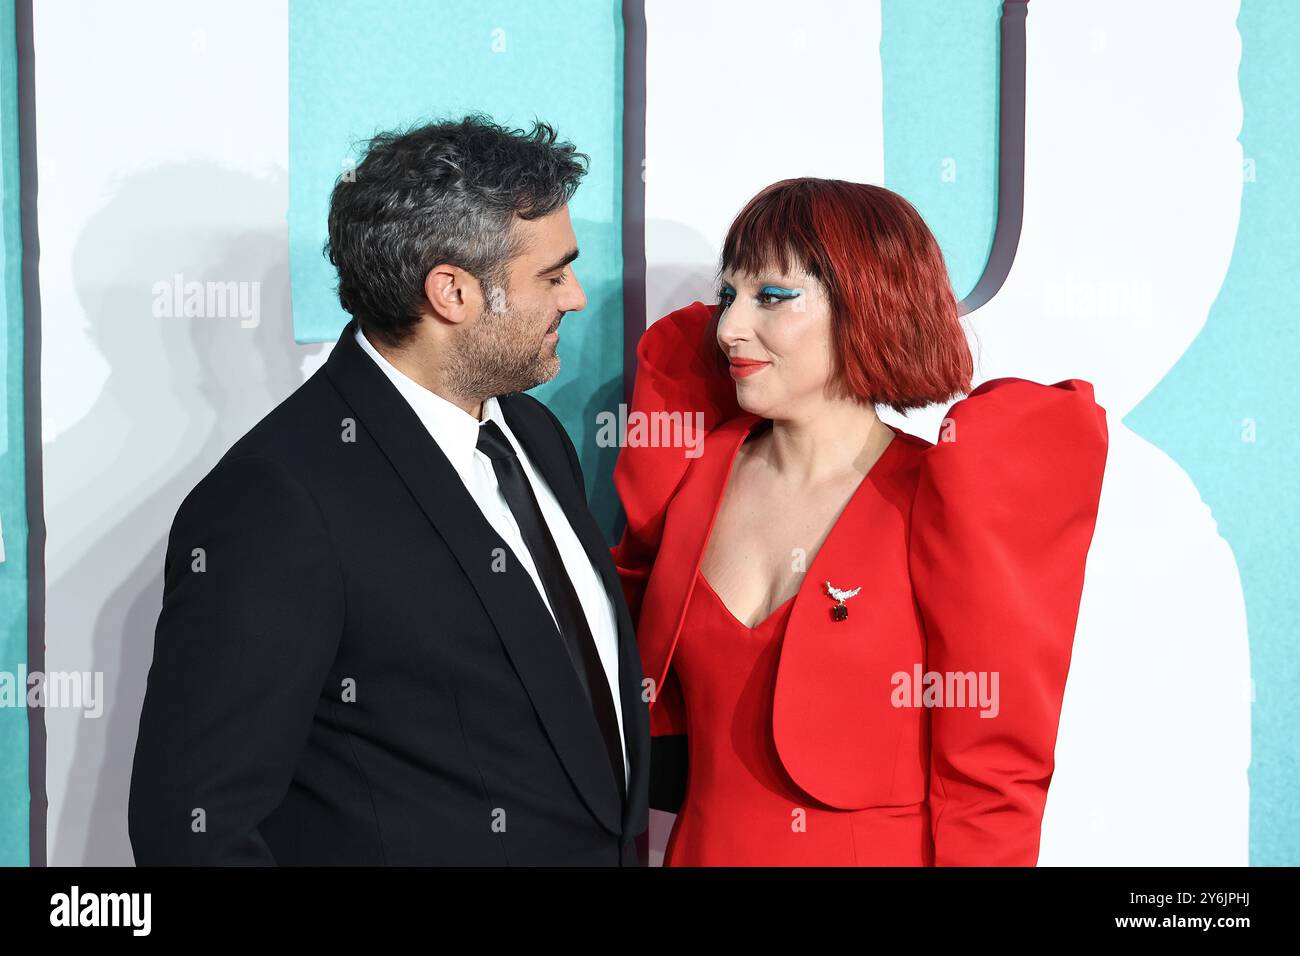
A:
(739, 623)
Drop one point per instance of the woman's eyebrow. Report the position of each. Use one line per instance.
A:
(772, 278)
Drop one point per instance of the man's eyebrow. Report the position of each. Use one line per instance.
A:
(560, 263)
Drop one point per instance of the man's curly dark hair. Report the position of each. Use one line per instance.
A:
(440, 192)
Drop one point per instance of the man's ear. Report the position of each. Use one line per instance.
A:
(452, 294)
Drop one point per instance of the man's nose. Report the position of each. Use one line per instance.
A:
(575, 299)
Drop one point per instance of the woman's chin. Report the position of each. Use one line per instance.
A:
(749, 402)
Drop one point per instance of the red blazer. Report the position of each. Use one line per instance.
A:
(970, 553)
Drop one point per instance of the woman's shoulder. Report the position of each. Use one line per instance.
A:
(1016, 451)
(1018, 423)
(1003, 408)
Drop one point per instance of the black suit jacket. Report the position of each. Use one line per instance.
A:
(341, 676)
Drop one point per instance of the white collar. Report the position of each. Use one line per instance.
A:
(454, 429)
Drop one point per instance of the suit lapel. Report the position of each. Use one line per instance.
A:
(686, 530)
(510, 600)
(533, 427)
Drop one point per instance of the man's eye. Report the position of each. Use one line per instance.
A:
(560, 279)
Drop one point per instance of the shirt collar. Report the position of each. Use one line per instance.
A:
(454, 429)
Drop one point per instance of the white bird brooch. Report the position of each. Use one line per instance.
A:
(839, 612)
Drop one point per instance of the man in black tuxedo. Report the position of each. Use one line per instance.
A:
(391, 631)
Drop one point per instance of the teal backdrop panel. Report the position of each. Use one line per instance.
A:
(360, 66)
(1224, 414)
(14, 793)
(939, 72)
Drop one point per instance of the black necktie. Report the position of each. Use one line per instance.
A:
(559, 588)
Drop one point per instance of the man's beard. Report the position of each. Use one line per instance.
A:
(503, 353)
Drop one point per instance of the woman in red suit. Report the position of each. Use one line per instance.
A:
(861, 638)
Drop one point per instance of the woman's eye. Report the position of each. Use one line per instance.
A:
(774, 296)
(771, 295)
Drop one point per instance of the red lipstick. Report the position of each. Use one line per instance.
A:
(743, 368)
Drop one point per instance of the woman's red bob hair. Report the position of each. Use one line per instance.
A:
(898, 341)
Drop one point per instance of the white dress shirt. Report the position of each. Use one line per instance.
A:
(456, 432)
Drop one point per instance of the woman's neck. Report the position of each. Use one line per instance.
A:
(838, 440)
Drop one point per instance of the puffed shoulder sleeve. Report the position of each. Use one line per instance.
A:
(675, 374)
(1005, 507)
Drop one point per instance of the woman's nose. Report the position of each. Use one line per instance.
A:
(732, 327)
